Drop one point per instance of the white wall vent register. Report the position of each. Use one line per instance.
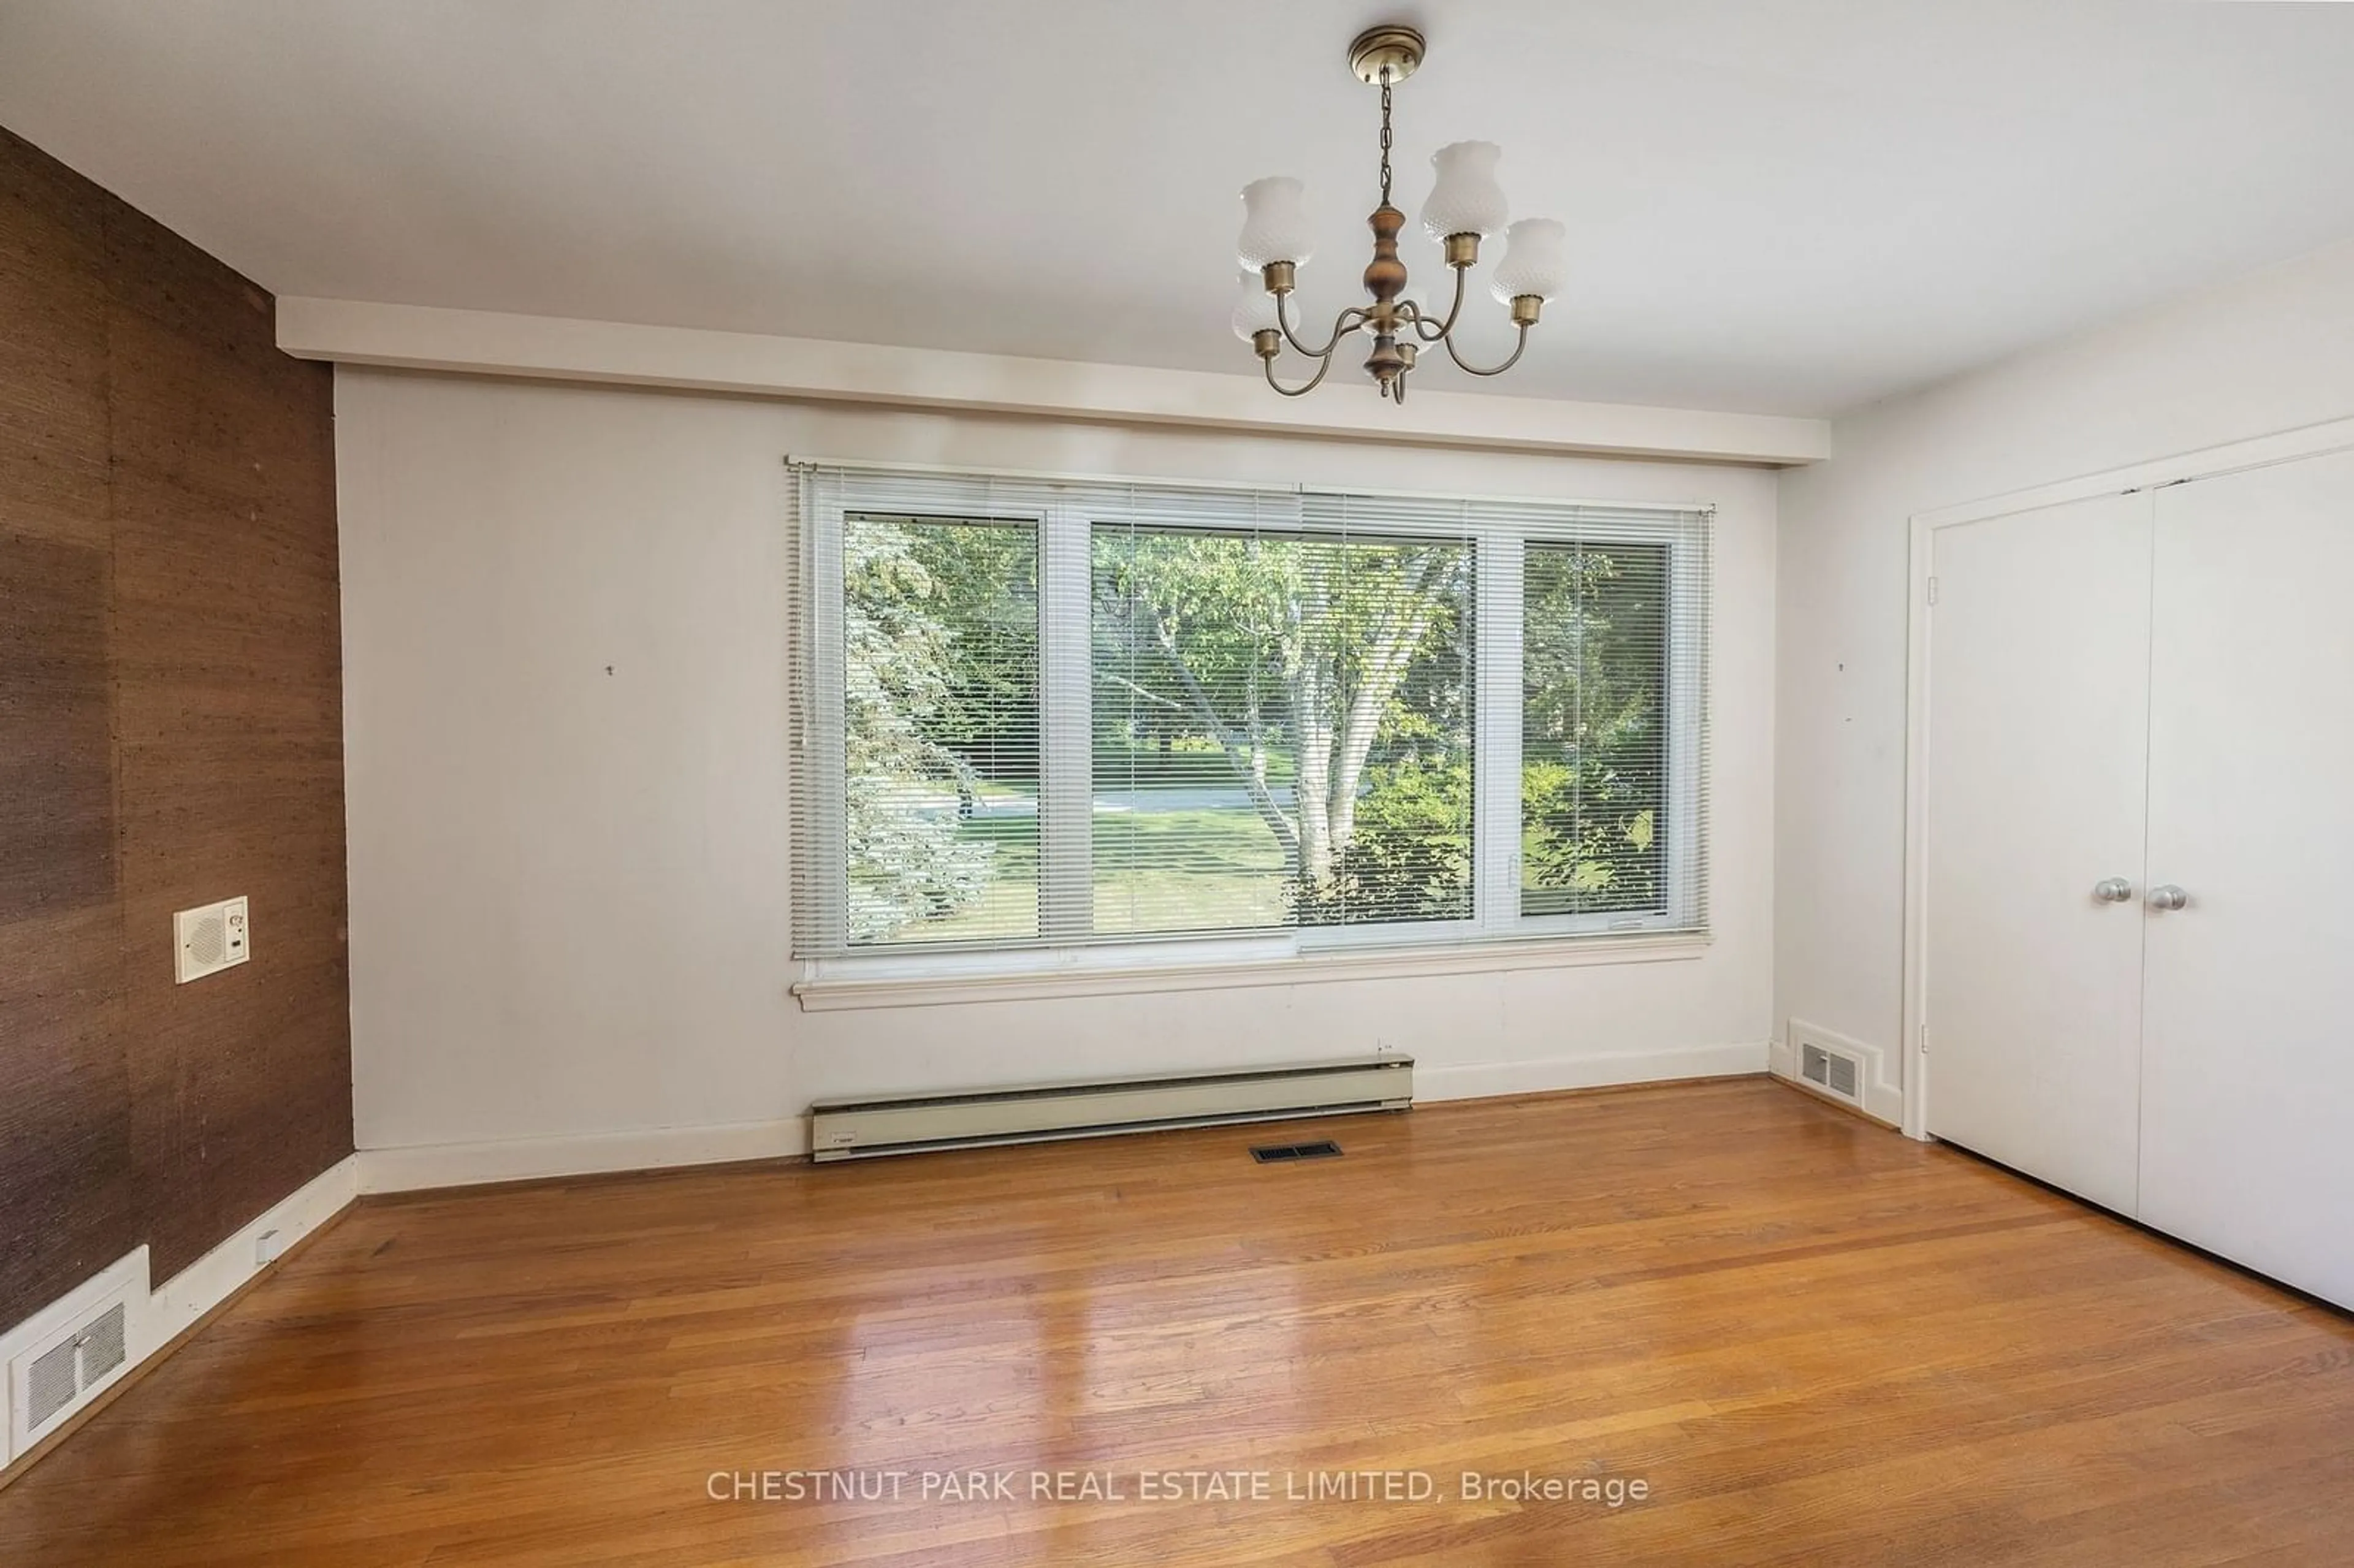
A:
(69, 1353)
(1836, 1074)
(55, 1380)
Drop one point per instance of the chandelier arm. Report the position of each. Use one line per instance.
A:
(1518, 348)
(1314, 381)
(1345, 323)
(1425, 328)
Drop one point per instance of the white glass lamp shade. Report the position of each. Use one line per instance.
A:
(1536, 260)
(1466, 199)
(1275, 223)
(1254, 307)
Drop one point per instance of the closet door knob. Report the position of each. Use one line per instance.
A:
(2115, 890)
(2168, 897)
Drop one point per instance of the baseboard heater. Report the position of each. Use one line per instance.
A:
(907, 1124)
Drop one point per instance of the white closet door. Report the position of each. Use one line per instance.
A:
(2248, 1094)
(2037, 767)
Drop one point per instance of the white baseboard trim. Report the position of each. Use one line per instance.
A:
(415, 1167)
(1883, 1096)
(1486, 1079)
(176, 1305)
(157, 1315)
(411, 1168)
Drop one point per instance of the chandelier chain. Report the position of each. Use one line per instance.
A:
(1386, 136)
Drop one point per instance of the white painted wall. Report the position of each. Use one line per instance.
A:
(2273, 352)
(564, 662)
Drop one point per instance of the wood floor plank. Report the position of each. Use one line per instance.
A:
(1815, 1343)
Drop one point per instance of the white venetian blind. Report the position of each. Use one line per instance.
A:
(1042, 713)
(916, 719)
(1281, 716)
(1612, 764)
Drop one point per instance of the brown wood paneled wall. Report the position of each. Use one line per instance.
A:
(171, 732)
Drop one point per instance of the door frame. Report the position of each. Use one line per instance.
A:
(2205, 462)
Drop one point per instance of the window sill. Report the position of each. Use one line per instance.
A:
(840, 994)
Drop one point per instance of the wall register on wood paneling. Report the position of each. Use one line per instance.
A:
(57, 1378)
(60, 1359)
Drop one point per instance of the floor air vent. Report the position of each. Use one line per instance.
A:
(863, 1129)
(1277, 1153)
(1834, 1073)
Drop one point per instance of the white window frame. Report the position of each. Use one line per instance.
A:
(1066, 958)
(1687, 708)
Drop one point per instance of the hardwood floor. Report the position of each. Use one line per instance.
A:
(1815, 1343)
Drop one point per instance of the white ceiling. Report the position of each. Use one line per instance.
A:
(1777, 205)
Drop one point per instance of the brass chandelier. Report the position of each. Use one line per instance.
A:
(1465, 206)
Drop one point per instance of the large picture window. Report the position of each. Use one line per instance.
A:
(1282, 730)
(1039, 717)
